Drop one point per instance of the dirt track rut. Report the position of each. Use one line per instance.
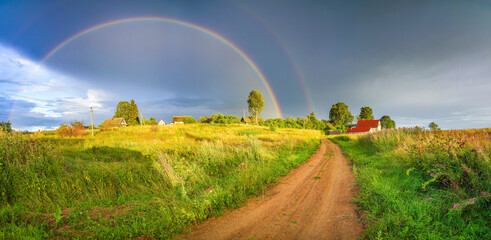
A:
(312, 202)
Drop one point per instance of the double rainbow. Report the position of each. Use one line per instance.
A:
(181, 23)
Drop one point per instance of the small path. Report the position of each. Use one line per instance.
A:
(312, 202)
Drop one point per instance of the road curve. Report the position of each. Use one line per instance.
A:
(312, 202)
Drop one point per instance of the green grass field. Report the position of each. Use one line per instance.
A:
(138, 181)
(418, 184)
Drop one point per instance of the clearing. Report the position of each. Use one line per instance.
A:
(312, 202)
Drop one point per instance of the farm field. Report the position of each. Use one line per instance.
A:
(138, 181)
(417, 184)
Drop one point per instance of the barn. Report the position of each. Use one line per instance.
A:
(179, 119)
(114, 123)
(366, 126)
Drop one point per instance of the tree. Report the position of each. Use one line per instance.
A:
(133, 114)
(189, 120)
(433, 126)
(6, 126)
(256, 103)
(366, 113)
(151, 121)
(128, 111)
(122, 111)
(386, 122)
(340, 116)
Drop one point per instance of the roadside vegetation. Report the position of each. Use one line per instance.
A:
(137, 181)
(417, 184)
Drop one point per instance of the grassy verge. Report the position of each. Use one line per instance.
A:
(423, 185)
(139, 181)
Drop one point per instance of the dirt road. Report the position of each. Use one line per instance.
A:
(312, 202)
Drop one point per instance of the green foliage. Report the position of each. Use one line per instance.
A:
(133, 114)
(57, 215)
(190, 120)
(6, 126)
(340, 116)
(256, 103)
(122, 111)
(220, 119)
(309, 122)
(128, 111)
(433, 126)
(366, 113)
(423, 185)
(386, 122)
(151, 121)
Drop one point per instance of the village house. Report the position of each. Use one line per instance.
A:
(366, 126)
(251, 120)
(114, 123)
(179, 119)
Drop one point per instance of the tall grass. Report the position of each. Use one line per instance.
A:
(423, 184)
(138, 181)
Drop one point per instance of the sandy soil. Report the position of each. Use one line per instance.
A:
(312, 202)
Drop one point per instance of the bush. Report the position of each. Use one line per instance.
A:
(6, 126)
(190, 120)
(75, 129)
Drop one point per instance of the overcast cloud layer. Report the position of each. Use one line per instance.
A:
(417, 61)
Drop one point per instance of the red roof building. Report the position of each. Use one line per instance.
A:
(365, 126)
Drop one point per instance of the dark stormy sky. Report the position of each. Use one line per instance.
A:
(416, 61)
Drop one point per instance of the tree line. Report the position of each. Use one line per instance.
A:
(340, 117)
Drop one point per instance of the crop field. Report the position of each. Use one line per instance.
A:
(138, 182)
(417, 184)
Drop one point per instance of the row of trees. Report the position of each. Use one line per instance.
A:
(340, 117)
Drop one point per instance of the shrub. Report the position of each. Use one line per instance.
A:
(190, 120)
(75, 129)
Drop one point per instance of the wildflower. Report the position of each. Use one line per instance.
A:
(479, 146)
(466, 137)
(455, 206)
(432, 174)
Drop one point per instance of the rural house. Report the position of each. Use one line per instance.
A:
(161, 123)
(251, 120)
(114, 122)
(366, 126)
(179, 119)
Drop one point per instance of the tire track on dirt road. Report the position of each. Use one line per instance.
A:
(312, 202)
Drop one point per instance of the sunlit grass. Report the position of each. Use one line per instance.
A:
(144, 180)
(419, 184)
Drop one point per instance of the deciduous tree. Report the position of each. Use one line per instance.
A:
(366, 113)
(128, 111)
(386, 122)
(256, 103)
(433, 126)
(122, 111)
(340, 115)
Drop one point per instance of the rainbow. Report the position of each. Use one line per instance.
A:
(292, 61)
(222, 39)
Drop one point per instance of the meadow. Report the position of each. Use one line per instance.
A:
(417, 184)
(138, 181)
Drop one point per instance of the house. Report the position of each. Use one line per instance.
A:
(366, 126)
(179, 119)
(114, 122)
(251, 120)
(161, 123)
